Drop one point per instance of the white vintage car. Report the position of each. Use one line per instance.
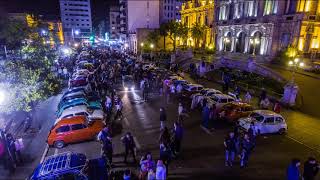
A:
(92, 114)
(265, 122)
(219, 100)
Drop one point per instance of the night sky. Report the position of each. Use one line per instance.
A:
(39, 6)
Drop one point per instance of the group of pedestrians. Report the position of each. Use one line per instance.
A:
(10, 151)
(310, 169)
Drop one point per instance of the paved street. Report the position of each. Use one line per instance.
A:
(202, 155)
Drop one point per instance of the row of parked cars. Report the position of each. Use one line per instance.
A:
(230, 109)
(79, 115)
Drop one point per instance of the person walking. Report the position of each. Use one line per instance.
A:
(230, 149)
(161, 171)
(164, 136)
(293, 172)
(129, 146)
(246, 150)
(180, 112)
(277, 107)
(163, 118)
(178, 136)
(311, 168)
(119, 109)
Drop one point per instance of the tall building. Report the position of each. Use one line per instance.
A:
(123, 19)
(267, 27)
(170, 10)
(76, 20)
(114, 22)
(199, 12)
(141, 14)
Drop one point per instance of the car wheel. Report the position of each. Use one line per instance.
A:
(59, 144)
(281, 131)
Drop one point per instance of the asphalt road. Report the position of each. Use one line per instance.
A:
(202, 154)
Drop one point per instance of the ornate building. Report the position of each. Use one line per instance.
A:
(264, 27)
(201, 12)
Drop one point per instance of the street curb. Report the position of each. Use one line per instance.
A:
(44, 153)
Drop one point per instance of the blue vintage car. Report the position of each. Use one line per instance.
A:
(77, 102)
(68, 165)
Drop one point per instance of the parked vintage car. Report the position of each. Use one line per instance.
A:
(265, 122)
(73, 130)
(70, 166)
(234, 110)
(92, 114)
(189, 89)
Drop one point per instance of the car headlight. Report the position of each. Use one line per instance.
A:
(126, 89)
(132, 88)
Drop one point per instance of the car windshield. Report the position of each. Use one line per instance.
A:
(256, 116)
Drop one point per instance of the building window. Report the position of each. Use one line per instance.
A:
(250, 8)
(303, 5)
(224, 12)
(270, 7)
(165, 7)
(238, 10)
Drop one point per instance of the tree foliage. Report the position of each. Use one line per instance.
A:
(27, 81)
(197, 32)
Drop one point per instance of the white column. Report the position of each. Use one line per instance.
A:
(233, 44)
(246, 44)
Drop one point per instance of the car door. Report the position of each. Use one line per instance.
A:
(79, 132)
(64, 133)
(268, 125)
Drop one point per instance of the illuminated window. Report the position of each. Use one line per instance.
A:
(270, 7)
(304, 5)
(238, 10)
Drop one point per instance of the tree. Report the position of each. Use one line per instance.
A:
(197, 32)
(163, 32)
(183, 31)
(153, 37)
(25, 82)
(173, 29)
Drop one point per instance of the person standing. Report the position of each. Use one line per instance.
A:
(247, 97)
(65, 72)
(230, 149)
(180, 112)
(293, 172)
(161, 172)
(129, 146)
(277, 107)
(246, 150)
(311, 169)
(146, 164)
(163, 118)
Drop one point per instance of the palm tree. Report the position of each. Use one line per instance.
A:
(183, 32)
(173, 29)
(197, 32)
(163, 32)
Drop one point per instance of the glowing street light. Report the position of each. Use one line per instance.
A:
(2, 97)
(295, 64)
(76, 32)
(75, 44)
(43, 32)
(151, 46)
(66, 51)
(141, 44)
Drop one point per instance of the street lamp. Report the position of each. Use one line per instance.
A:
(66, 51)
(43, 32)
(295, 64)
(141, 44)
(151, 46)
(2, 97)
(77, 32)
(75, 44)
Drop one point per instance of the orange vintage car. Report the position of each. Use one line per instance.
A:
(72, 130)
(234, 110)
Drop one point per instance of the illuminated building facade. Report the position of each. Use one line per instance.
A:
(201, 12)
(264, 27)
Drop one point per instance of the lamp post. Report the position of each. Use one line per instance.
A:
(151, 46)
(295, 64)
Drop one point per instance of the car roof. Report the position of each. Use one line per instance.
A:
(239, 104)
(74, 109)
(61, 162)
(72, 120)
(195, 85)
(266, 113)
(222, 96)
